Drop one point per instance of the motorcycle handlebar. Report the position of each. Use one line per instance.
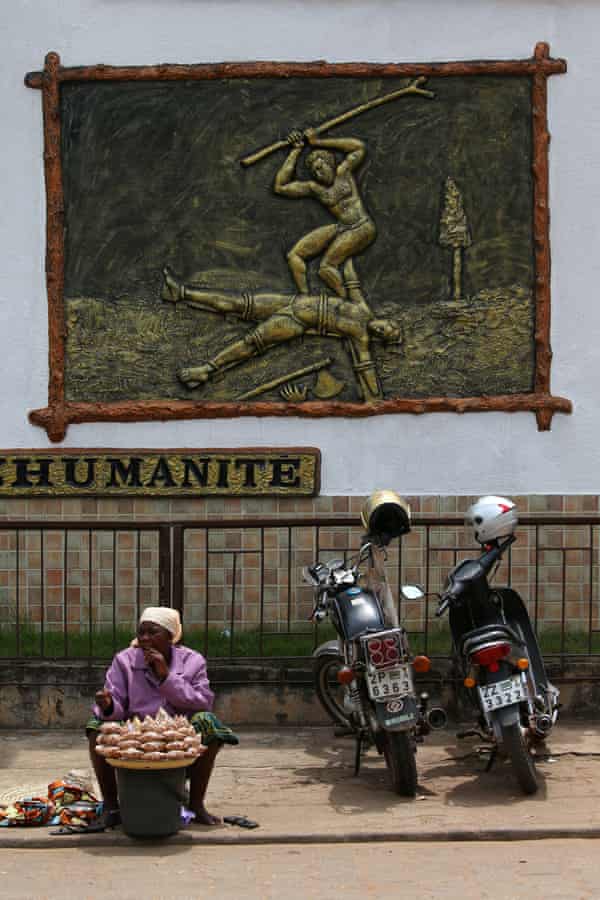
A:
(444, 604)
(487, 559)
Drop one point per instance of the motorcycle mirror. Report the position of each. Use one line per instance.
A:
(412, 592)
(308, 577)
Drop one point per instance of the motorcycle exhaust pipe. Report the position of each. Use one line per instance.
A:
(543, 724)
(436, 718)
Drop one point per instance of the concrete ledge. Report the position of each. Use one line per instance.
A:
(59, 694)
(30, 839)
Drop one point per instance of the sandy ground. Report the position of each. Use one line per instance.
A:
(541, 870)
(297, 783)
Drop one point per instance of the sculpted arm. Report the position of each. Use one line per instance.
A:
(284, 183)
(354, 149)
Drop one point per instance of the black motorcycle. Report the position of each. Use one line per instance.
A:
(364, 679)
(500, 662)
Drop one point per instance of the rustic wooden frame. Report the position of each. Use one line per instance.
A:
(59, 413)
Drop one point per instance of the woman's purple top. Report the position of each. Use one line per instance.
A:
(136, 691)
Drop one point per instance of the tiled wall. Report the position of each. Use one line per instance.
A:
(124, 567)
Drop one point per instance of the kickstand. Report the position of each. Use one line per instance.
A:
(492, 759)
(357, 753)
(471, 732)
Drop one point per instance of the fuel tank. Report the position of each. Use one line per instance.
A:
(356, 611)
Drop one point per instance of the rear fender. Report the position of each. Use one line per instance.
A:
(329, 648)
(506, 715)
(397, 714)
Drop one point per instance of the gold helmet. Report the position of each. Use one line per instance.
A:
(385, 515)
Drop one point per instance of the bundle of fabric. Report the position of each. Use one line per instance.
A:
(29, 811)
(69, 802)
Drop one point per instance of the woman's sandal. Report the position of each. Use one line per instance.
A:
(242, 821)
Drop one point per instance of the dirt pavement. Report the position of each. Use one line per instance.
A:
(486, 870)
(299, 785)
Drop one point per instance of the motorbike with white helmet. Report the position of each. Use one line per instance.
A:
(496, 648)
(364, 679)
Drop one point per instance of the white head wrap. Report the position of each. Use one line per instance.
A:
(166, 618)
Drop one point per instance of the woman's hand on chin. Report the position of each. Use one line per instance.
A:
(157, 662)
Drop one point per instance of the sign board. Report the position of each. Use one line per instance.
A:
(173, 473)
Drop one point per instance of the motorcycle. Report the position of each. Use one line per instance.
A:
(496, 648)
(370, 664)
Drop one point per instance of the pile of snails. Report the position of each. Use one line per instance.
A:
(153, 739)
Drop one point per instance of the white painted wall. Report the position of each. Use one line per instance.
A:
(439, 453)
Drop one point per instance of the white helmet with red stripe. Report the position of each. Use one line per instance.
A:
(492, 518)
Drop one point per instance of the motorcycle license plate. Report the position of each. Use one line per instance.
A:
(503, 693)
(396, 682)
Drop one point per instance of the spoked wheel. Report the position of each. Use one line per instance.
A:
(522, 761)
(399, 752)
(329, 691)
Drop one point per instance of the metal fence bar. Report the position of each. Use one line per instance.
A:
(537, 578)
(90, 599)
(591, 594)
(427, 582)
(18, 593)
(64, 584)
(206, 589)
(177, 569)
(563, 605)
(289, 579)
(286, 618)
(138, 573)
(262, 590)
(42, 595)
(114, 590)
(232, 620)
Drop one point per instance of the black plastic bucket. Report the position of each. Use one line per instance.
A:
(150, 800)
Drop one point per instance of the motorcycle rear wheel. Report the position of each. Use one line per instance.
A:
(523, 764)
(328, 689)
(399, 752)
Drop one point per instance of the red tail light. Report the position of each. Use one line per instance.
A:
(383, 652)
(345, 675)
(489, 656)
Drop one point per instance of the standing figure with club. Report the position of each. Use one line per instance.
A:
(334, 185)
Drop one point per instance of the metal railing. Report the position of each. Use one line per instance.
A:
(74, 590)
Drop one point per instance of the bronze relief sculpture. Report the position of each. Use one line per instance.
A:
(387, 253)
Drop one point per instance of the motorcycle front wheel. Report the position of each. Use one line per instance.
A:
(399, 752)
(329, 690)
(522, 761)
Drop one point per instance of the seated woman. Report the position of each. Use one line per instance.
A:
(154, 672)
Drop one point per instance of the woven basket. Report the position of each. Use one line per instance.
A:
(151, 763)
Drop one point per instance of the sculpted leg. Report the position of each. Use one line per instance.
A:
(310, 245)
(275, 330)
(176, 291)
(340, 252)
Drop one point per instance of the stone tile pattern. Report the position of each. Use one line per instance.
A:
(124, 565)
